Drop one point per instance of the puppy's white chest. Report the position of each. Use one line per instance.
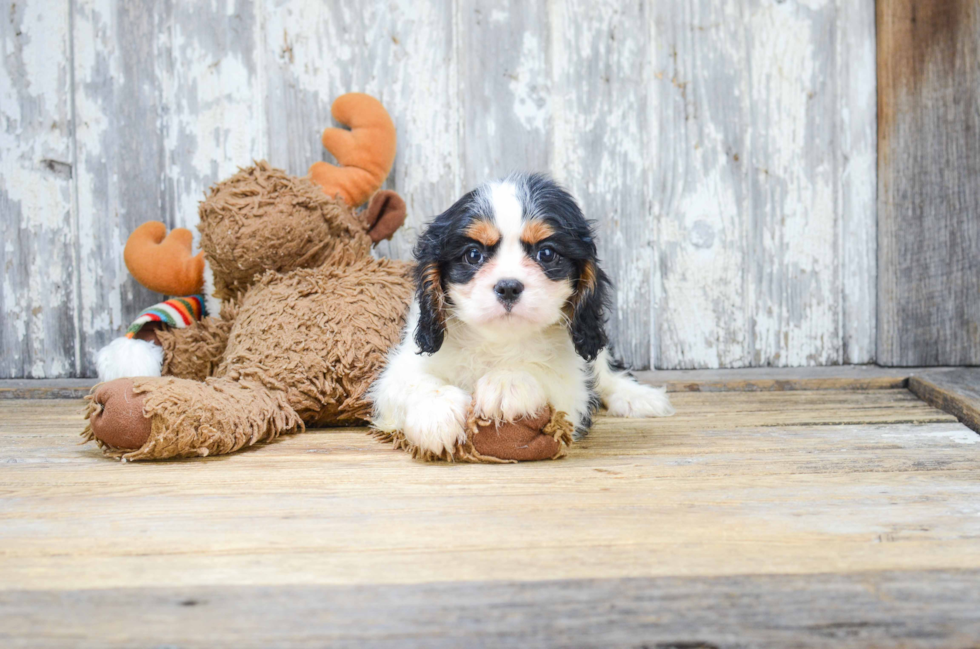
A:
(548, 356)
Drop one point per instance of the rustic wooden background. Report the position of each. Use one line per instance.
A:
(727, 149)
(929, 182)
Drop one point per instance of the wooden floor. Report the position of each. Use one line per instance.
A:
(805, 518)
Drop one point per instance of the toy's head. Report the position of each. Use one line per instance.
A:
(263, 219)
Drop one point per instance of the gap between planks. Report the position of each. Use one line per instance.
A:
(843, 377)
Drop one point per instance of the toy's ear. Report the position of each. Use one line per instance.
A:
(365, 153)
(164, 264)
(384, 215)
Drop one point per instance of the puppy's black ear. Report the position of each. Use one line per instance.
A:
(431, 328)
(588, 322)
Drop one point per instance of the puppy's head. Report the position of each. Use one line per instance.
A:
(511, 257)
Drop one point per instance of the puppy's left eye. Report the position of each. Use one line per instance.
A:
(547, 255)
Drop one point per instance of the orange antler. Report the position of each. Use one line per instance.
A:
(366, 152)
(164, 265)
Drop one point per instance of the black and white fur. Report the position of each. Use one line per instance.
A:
(509, 318)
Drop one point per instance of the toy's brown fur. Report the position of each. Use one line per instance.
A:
(311, 318)
(194, 352)
(263, 219)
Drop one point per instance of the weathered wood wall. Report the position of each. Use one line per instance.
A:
(725, 147)
(928, 189)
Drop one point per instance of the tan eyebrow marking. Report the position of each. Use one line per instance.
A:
(484, 232)
(535, 231)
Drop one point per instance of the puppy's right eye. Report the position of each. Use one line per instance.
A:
(473, 255)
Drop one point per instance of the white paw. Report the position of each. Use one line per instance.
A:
(437, 422)
(128, 357)
(508, 396)
(631, 399)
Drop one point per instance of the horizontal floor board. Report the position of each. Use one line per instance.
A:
(956, 392)
(907, 609)
(735, 483)
(774, 379)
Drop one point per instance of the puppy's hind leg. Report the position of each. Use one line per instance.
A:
(623, 396)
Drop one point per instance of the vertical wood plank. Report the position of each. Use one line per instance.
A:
(37, 301)
(215, 120)
(747, 183)
(698, 109)
(402, 53)
(505, 88)
(928, 188)
(857, 149)
(601, 145)
(122, 72)
(169, 103)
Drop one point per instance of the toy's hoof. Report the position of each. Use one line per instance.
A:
(118, 421)
(523, 440)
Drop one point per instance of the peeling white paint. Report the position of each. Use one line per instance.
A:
(37, 327)
(725, 149)
(531, 96)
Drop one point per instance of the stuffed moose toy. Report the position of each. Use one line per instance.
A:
(307, 315)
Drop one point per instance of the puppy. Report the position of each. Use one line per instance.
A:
(508, 319)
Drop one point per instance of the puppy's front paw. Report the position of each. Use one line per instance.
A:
(508, 396)
(437, 422)
(640, 401)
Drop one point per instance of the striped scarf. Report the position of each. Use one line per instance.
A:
(177, 312)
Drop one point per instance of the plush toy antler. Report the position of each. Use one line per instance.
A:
(164, 264)
(366, 152)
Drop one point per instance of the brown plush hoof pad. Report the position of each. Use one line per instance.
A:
(521, 441)
(118, 420)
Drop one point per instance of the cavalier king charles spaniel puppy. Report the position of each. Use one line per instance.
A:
(508, 319)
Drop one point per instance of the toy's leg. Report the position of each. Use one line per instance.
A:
(158, 418)
(196, 351)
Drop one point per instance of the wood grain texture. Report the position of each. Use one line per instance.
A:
(735, 484)
(762, 113)
(765, 379)
(602, 151)
(857, 163)
(505, 88)
(726, 150)
(38, 300)
(934, 609)
(956, 392)
(167, 103)
(122, 60)
(45, 388)
(928, 195)
(851, 377)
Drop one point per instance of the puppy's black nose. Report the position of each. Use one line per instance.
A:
(508, 290)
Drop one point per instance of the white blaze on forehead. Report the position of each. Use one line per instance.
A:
(507, 209)
(509, 259)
